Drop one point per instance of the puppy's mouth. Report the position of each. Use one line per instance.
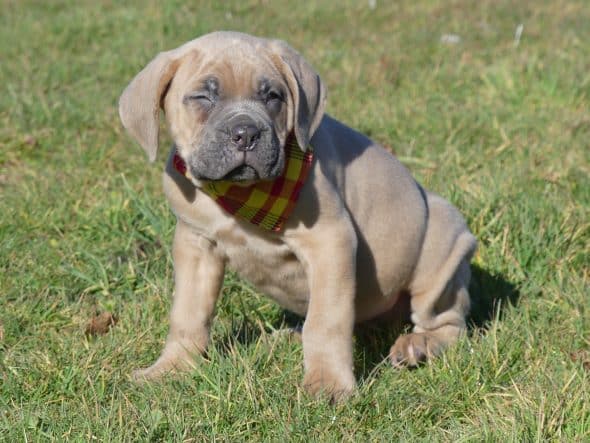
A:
(242, 173)
(249, 167)
(221, 160)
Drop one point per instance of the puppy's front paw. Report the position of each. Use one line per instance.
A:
(335, 385)
(413, 349)
(151, 373)
(175, 358)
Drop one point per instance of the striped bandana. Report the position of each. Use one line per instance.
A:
(268, 203)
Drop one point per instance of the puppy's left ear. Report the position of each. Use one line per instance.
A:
(139, 105)
(307, 89)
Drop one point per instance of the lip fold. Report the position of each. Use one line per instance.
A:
(243, 172)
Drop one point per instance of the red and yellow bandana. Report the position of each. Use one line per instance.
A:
(268, 203)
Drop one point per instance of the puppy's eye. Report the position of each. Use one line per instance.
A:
(273, 96)
(200, 99)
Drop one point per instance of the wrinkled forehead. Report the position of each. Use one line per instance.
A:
(235, 70)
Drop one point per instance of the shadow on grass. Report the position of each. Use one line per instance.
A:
(249, 329)
(489, 292)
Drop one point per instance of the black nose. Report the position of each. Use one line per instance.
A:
(245, 137)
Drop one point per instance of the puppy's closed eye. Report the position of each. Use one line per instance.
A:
(202, 99)
(274, 96)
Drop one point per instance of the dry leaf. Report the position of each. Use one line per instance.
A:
(581, 356)
(100, 324)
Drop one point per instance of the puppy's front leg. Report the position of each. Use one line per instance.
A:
(329, 254)
(198, 276)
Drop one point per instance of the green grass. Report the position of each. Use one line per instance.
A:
(501, 129)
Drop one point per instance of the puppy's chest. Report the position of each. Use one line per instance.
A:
(269, 265)
(259, 257)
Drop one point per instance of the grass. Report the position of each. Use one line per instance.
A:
(500, 126)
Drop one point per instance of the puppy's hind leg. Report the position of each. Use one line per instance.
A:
(438, 312)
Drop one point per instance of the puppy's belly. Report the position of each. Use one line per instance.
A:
(287, 286)
(374, 305)
(276, 272)
(273, 269)
(282, 277)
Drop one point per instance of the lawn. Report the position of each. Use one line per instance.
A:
(488, 104)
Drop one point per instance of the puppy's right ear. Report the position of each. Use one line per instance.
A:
(139, 105)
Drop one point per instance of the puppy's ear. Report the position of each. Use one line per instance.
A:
(307, 89)
(139, 105)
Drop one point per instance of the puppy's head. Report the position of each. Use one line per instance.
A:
(230, 102)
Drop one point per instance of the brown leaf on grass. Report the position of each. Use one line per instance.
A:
(1, 332)
(30, 140)
(581, 356)
(100, 324)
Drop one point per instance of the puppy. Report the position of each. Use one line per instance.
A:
(314, 214)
